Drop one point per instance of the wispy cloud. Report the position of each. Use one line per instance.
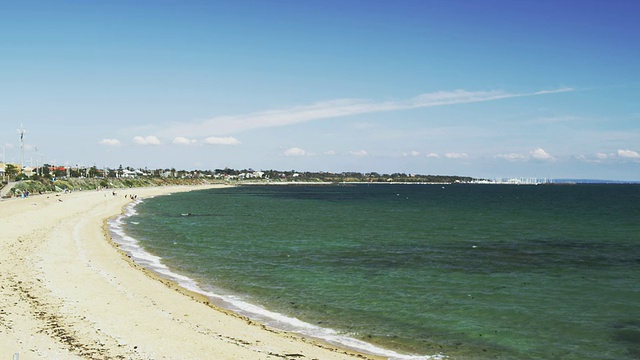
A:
(560, 90)
(512, 156)
(146, 140)
(181, 140)
(337, 108)
(412, 153)
(359, 153)
(540, 154)
(456, 155)
(110, 142)
(621, 155)
(556, 119)
(295, 152)
(537, 154)
(229, 140)
(628, 154)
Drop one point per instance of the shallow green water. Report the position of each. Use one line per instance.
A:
(469, 271)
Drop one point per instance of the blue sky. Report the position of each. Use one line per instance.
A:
(479, 88)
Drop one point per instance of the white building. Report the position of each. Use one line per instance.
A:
(131, 174)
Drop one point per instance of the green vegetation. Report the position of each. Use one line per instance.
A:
(57, 179)
(77, 184)
(250, 175)
(11, 171)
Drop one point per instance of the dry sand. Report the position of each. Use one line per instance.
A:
(67, 293)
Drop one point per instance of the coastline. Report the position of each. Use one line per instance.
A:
(69, 294)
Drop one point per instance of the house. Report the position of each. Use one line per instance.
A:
(251, 175)
(166, 173)
(29, 170)
(53, 169)
(131, 173)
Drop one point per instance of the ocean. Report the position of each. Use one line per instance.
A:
(411, 271)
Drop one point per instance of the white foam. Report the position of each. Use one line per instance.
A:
(235, 303)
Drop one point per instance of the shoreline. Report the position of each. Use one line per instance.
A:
(152, 265)
(68, 294)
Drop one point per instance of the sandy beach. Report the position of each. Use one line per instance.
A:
(67, 293)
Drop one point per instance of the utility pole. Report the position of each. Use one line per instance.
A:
(21, 132)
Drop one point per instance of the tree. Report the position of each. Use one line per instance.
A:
(11, 171)
(93, 172)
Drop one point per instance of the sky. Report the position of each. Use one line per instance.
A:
(488, 89)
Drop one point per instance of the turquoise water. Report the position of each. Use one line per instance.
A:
(468, 271)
